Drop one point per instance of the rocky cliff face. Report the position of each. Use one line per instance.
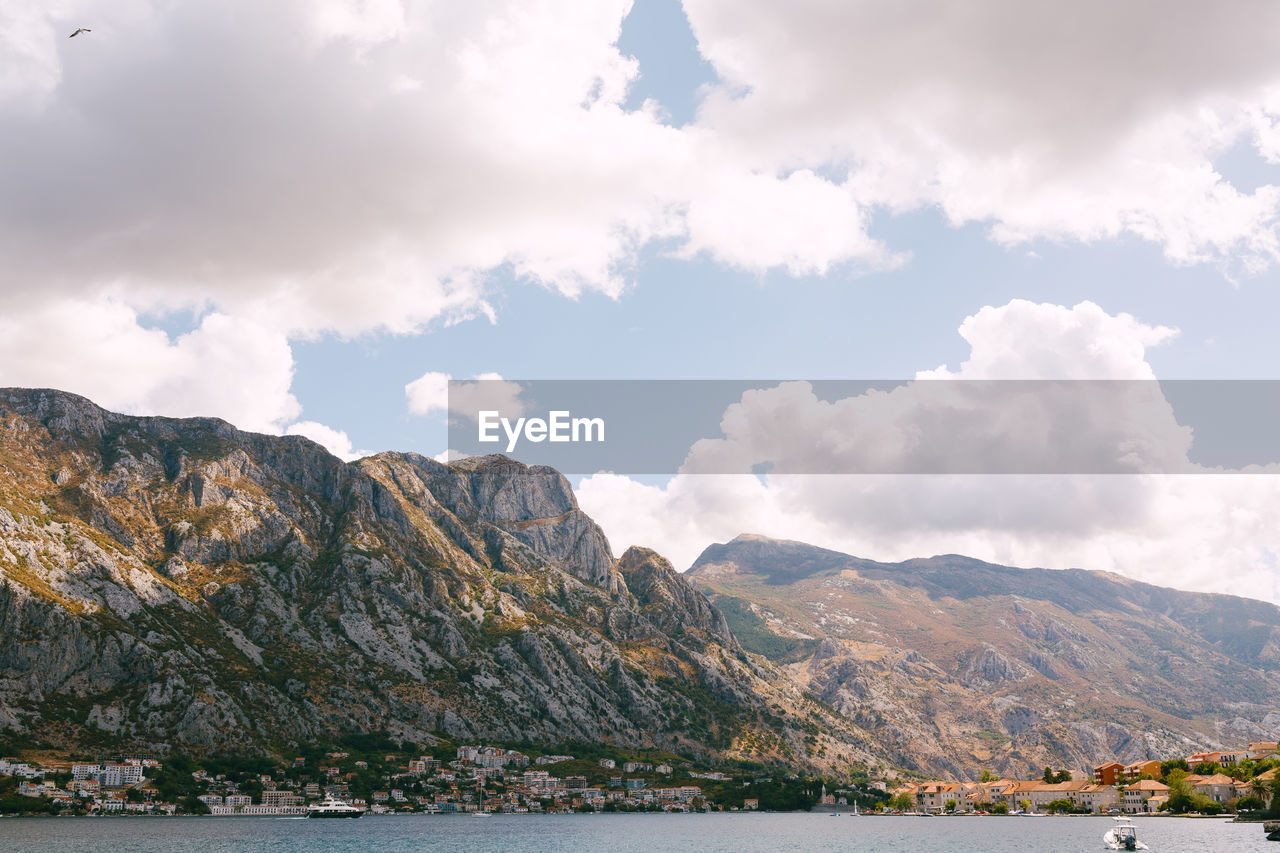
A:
(178, 583)
(953, 664)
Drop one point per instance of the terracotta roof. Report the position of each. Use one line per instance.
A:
(1023, 787)
(1218, 779)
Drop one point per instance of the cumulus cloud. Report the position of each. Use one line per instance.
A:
(1187, 531)
(356, 165)
(1028, 340)
(335, 441)
(341, 165)
(1080, 121)
(760, 221)
(234, 368)
(428, 394)
(980, 423)
(432, 394)
(361, 164)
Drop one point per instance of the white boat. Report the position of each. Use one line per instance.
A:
(1122, 836)
(331, 806)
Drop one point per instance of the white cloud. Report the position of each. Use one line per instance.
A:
(977, 425)
(335, 441)
(359, 165)
(1080, 121)
(342, 166)
(800, 223)
(285, 168)
(234, 368)
(1027, 340)
(1213, 533)
(362, 22)
(430, 394)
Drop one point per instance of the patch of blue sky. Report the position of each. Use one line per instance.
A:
(672, 71)
(1244, 169)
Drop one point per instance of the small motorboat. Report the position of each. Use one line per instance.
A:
(1122, 836)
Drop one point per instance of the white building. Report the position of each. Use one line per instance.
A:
(120, 775)
(280, 798)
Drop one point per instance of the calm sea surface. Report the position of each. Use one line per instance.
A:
(730, 833)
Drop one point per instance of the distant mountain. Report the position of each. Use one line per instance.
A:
(954, 664)
(179, 584)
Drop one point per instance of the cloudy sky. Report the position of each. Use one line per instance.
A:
(304, 216)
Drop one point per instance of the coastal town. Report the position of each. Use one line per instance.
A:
(495, 780)
(484, 779)
(1211, 782)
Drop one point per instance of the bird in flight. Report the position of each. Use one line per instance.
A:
(78, 31)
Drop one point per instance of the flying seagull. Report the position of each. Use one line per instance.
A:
(78, 31)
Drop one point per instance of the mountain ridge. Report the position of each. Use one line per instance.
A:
(177, 583)
(1002, 666)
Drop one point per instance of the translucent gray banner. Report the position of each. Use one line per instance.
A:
(663, 427)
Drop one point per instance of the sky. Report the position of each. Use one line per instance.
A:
(302, 217)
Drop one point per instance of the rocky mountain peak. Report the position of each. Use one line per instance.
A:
(780, 560)
(534, 504)
(670, 601)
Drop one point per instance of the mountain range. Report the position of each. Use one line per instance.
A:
(177, 584)
(181, 585)
(954, 664)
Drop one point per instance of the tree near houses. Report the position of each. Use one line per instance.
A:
(1061, 805)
